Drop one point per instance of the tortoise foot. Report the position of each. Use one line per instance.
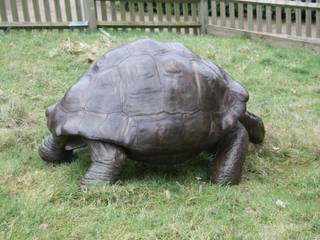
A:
(107, 164)
(52, 150)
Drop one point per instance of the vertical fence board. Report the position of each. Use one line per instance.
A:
(194, 16)
(232, 16)
(113, 11)
(177, 14)
(68, 10)
(223, 12)
(185, 15)
(132, 12)
(203, 15)
(14, 11)
(259, 18)
(79, 10)
(240, 14)
(318, 22)
(47, 11)
(298, 21)
(288, 21)
(150, 13)
(91, 13)
(36, 10)
(57, 7)
(141, 11)
(214, 12)
(122, 11)
(168, 13)
(278, 20)
(308, 21)
(160, 13)
(103, 9)
(269, 19)
(3, 11)
(250, 16)
(25, 10)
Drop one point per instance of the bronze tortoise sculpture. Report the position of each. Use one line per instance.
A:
(155, 102)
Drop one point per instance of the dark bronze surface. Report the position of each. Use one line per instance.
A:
(155, 102)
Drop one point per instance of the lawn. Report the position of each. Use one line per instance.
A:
(40, 201)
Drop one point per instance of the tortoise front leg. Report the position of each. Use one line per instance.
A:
(53, 150)
(227, 166)
(107, 162)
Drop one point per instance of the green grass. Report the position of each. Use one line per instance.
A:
(39, 201)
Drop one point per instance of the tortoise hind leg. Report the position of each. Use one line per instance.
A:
(107, 162)
(53, 150)
(254, 126)
(227, 165)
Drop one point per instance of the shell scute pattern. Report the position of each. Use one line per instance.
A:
(149, 95)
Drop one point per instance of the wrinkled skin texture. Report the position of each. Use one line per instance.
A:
(155, 102)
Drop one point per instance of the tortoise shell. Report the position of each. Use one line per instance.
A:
(150, 96)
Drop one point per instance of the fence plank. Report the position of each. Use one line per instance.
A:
(57, 7)
(123, 11)
(318, 22)
(91, 14)
(278, 20)
(298, 21)
(79, 10)
(141, 11)
(3, 11)
(240, 14)
(25, 10)
(177, 14)
(250, 16)
(68, 10)
(14, 11)
(194, 16)
(185, 15)
(132, 11)
(203, 16)
(232, 17)
(113, 11)
(288, 21)
(47, 11)
(103, 9)
(223, 12)
(160, 13)
(269, 19)
(150, 14)
(308, 21)
(259, 18)
(168, 11)
(214, 12)
(36, 10)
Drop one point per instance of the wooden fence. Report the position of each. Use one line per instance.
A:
(178, 15)
(278, 21)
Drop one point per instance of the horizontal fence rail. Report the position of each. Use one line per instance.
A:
(289, 21)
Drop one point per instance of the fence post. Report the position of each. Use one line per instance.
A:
(90, 11)
(203, 15)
